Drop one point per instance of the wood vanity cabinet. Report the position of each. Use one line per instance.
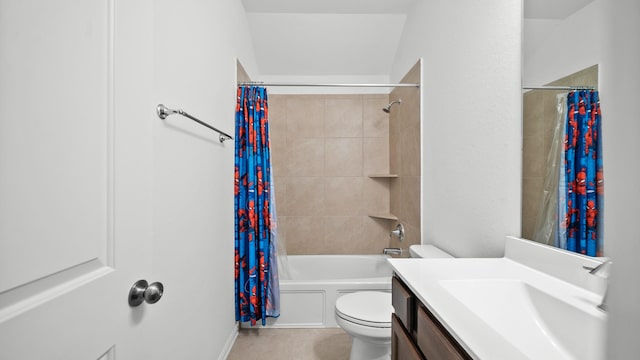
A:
(416, 333)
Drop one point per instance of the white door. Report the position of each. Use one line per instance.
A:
(75, 175)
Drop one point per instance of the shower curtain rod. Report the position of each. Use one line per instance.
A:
(558, 88)
(259, 83)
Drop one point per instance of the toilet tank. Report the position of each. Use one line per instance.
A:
(427, 251)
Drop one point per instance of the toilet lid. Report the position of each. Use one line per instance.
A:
(368, 308)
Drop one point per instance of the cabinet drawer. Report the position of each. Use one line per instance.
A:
(434, 340)
(402, 347)
(402, 300)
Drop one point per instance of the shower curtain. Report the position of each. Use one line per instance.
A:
(583, 175)
(573, 197)
(547, 225)
(256, 271)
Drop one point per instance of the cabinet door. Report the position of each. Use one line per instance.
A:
(402, 300)
(402, 347)
(434, 341)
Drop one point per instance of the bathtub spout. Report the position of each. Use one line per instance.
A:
(392, 251)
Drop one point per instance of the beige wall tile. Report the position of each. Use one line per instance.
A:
(534, 156)
(379, 97)
(531, 201)
(409, 153)
(279, 158)
(376, 121)
(343, 235)
(376, 155)
(305, 157)
(343, 196)
(537, 106)
(277, 134)
(547, 118)
(305, 117)
(277, 117)
(410, 207)
(305, 196)
(376, 231)
(343, 117)
(353, 142)
(533, 108)
(305, 235)
(395, 196)
(405, 158)
(280, 186)
(409, 110)
(395, 121)
(343, 157)
(281, 228)
(376, 195)
(394, 152)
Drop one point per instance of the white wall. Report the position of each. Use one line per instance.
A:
(621, 150)
(196, 45)
(471, 120)
(546, 50)
(325, 43)
(610, 40)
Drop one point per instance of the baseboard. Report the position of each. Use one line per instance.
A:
(229, 344)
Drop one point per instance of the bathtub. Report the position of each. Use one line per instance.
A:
(308, 297)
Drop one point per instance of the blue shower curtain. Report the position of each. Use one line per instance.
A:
(582, 182)
(256, 274)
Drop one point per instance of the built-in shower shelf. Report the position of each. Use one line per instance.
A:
(387, 216)
(383, 215)
(384, 176)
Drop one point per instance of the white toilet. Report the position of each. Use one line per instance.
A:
(366, 315)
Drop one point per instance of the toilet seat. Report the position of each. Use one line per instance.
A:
(366, 308)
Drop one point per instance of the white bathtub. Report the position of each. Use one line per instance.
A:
(307, 300)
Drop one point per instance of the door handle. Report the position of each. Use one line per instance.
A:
(141, 292)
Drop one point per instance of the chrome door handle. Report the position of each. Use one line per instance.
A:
(141, 292)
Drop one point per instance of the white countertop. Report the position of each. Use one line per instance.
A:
(500, 308)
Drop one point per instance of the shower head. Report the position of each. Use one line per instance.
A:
(387, 108)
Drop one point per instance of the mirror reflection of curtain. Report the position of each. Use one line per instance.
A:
(583, 173)
(572, 209)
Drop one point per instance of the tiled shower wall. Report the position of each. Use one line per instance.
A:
(404, 139)
(323, 149)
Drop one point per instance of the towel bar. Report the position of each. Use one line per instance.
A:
(164, 111)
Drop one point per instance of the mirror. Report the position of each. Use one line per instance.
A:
(539, 119)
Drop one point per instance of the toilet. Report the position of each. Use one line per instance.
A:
(428, 252)
(366, 315)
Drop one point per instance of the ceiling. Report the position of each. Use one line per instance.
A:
(345, 37)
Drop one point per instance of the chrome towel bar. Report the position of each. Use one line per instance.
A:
(164, 111)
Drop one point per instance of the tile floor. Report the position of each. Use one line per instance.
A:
(298, 344)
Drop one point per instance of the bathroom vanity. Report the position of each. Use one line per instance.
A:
(416, 333)
(536, 302)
